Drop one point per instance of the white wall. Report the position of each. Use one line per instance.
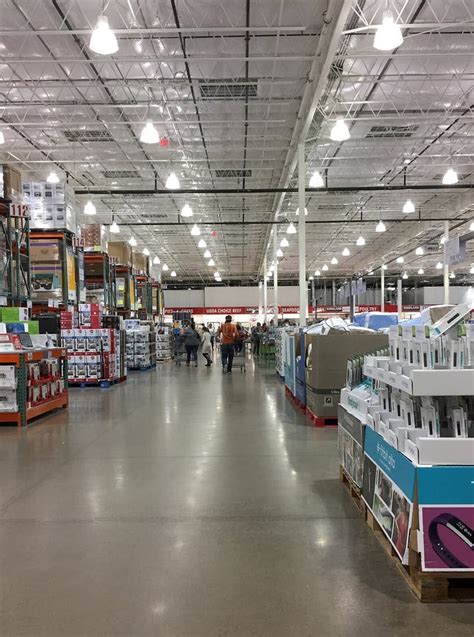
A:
(457, 294)
(232, 296)
(217, 296)
(184, 298)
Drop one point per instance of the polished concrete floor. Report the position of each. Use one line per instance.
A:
(188, 503)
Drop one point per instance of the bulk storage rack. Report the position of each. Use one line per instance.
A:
(124, 290)
(15, 284)
(99, 275)
(26, 410)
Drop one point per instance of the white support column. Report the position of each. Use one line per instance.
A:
(446, 264)
(275, 277)
(333, 297)
(382, 288)
(399, 298)
(265, 290)
(303, 290)
(260, 305)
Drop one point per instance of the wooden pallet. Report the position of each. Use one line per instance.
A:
(320, 422)
(428, 587)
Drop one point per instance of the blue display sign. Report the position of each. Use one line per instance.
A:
(446, 485)
(397, 466)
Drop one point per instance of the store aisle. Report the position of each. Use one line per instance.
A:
(189, 503)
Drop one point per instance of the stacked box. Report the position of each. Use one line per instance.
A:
(141, 346)
(51, 205)
(94, 236)
(164, 343)
(89, 315)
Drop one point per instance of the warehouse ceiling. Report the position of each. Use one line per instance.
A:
(227, 84)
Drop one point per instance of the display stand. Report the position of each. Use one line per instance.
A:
(26, 393)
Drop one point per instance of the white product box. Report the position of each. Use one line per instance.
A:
(7, 376)
(8, 400)
(448, 451)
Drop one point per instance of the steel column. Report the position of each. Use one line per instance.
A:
(303, 291)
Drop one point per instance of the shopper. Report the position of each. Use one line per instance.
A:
(256, 336)
(240, 337)
(227, 334)
(206, 345)
(191, 342)
(212, 332)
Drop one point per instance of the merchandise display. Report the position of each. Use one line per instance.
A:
(140, 344)
(164, 343)
(412, 420)
(52, 206)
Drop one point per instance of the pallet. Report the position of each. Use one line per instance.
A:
(142, 369)
(427, 587)
(103, 384)
(320, 422)
(292, 398)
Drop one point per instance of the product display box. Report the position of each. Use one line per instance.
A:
(94, 236)
(326, 366)
(121, 250)
(140, 262)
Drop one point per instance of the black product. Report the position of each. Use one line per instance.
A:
(25, 340)
(49, 323)
(111, 322)
(455, 525)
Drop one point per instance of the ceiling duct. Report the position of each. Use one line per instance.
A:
(121, 174)
(225, 89)
(392, 131)
(73, 135)
(231, 172)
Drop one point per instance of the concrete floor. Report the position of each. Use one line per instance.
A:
(188, 503)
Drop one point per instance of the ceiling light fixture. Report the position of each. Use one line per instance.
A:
(311, 278)
(419, 251)
(52, 178)
(217, 275)
(408, 207)
(340, 131)
(89, 208)
(471, 226)
(156, 261)
(439, 265)
(317, 273)
(388, 35)
(172, 183)
(385, 267)
(132, 241)
(103, 40)
(334, 261)
(471, 270)
(325, 268)
(380, 227)
(202, 243)
(2, 137)
(442, 240)
(305, 212)
(400, 259)
(316, 180)
(186, 211)
(114, 228)
(450, 177)
(360, 241)
(149, 134)
(346, 252)
(405, 275)
(421, 271)
(207, 254)
(173, 273)
(195, 232)
(284, 243)
(370, 273)
(146, 252)
(211, 263)
(452, 275)
(165, 267)
(279, 253)
(291, 229)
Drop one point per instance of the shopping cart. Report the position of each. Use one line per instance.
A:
(179, 351)
(240, 357)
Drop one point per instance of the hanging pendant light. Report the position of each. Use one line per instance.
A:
(52, 178)
(388, 35)
(217, 275)
(172, 183)
(186, 211)
(471, 270)
(207, 254)
(89, 208)
(2, 137)
(202, 243)
(156, 261)
(385, 267)
(340, 131)
(380, 227)
(400, 259)
(334, 261)
(149, 134)
(360, 241)
(452, 275)
(211, 263)
(421, 271)
(103, 40)
(450, 177)
(419, 251)
(132, 241)
(284, 243)
(471, 226)
(316, 180)
(305, 212)
(173, 273)
(439, 265)
(405, 275)
(325, 268)
(291, 229)
(442, 241)
(165, 267)
(317, 273)
(146, 252)
(408, 207)
(346, 252)
(279, 253)
(114, 228)
(195, 232)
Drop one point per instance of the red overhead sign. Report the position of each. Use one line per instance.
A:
(288, 309)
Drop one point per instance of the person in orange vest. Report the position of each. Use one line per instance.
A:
(227, 332)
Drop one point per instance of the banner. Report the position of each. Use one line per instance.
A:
(319, 310)
(388, 488)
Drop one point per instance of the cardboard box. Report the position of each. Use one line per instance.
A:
(13, 314)
(95, 238)
(326, 365)
(140, 262)
(121, 250)
(45, 251)
(12, 184)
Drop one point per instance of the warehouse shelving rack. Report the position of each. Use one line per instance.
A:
(15, 269)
